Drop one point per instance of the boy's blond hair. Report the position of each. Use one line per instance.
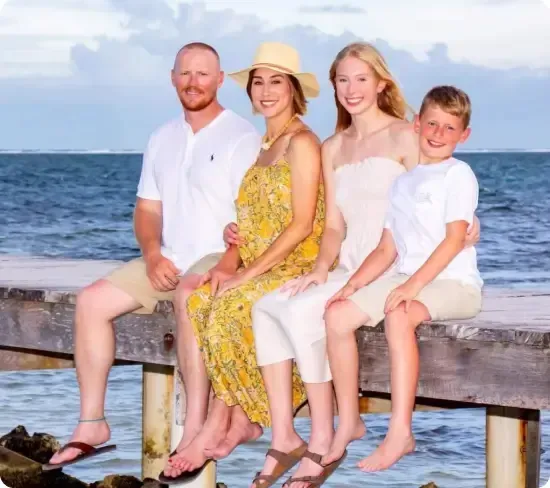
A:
(451, 100)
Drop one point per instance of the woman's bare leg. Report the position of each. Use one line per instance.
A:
(342, 320)
(400, 333)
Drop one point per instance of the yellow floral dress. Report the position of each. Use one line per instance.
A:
(223, 325)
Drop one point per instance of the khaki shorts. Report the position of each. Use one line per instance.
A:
(132, 278)
(444, 299)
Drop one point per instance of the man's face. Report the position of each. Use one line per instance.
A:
(196, 77)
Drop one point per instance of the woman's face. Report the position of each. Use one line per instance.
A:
(357, 85)
(271, 92)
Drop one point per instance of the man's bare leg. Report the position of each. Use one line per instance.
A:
(96, 307)
(191, 364)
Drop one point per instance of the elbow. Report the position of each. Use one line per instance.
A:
(303, 229)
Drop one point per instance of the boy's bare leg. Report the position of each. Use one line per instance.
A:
(342, 320)
(321, 406)
(400, 333)
(191, 364)
(278, 384)
(97, 306)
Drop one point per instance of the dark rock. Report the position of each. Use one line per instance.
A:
(39, 447)
(431, 484)
(116, 481)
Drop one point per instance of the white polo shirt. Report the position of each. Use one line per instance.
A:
(421, 203)
(197, 178)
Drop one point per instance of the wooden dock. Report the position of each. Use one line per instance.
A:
(498, 361)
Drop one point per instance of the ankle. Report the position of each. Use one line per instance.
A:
(284, 438)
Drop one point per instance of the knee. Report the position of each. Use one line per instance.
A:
(396, 321)
(335, 320)
(89, 299)
(183, 291)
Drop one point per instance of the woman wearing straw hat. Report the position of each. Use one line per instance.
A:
(280, 210)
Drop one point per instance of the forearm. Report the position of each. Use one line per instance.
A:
(279, 250)
(437, 262)
(331, 244)
(231, 259)
(375, 264)
(148, 232)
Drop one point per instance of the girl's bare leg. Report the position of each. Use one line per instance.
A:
(321, 406)
(400, 333)
(278, 384)
(342, 320)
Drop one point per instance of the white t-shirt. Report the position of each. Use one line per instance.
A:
(197, 178)
(421, 203)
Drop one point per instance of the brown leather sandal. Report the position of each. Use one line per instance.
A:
(285, 462)
(316, 481)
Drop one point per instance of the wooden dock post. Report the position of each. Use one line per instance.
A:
(158, 384)
(207, 479)
(512, 448)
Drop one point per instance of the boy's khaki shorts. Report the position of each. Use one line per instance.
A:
(444, 299)
(132, 278)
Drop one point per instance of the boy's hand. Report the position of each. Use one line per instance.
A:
(403, 293)
(341, 295)
(472, 235)
(231, 235)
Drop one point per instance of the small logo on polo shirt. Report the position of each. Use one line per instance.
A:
(211, 157)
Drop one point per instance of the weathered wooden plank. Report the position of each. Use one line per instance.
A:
(459, 370)
(21, 360)
(49, 327)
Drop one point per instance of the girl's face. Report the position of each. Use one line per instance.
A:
(271, 92)
(357, 85)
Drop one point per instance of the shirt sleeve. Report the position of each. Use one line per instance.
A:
(147, 186)
(462, 192)
(243, 157)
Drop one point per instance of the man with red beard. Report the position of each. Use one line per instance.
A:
(192, 168)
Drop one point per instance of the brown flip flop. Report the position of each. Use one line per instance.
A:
(317, 481)
(88, 451)
(285, 462)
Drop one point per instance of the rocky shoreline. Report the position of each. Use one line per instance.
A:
(18, 472)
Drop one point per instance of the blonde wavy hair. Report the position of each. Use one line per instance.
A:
(390, 100)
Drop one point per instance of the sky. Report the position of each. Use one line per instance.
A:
(95, 74)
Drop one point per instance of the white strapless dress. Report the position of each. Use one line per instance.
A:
(293, 328)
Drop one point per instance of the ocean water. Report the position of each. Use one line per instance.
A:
(81, 206)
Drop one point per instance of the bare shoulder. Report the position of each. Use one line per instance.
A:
(331, 147)
(303, 140)
(402, 132)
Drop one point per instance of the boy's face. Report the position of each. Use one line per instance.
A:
(439, 132)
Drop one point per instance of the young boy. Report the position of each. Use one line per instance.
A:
(435, 276)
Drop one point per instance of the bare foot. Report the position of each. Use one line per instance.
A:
(344, 435)
(193, 454)
(188, 436)
(284, 445)
(92, 433)
(240, 431)
(393, 448)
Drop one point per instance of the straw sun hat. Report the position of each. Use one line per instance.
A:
(284, 59)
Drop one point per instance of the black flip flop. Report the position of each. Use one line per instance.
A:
(88, 451)
(186, 476)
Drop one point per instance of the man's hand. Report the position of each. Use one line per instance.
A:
(217, 276)
(162, 272)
